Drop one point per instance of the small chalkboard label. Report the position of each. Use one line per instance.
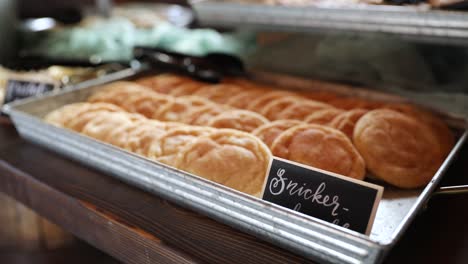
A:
(331, 197)
(17, 89)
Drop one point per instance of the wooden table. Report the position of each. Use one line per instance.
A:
(137, 227)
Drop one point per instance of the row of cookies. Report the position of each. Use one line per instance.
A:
(202, 151)
(343, 158)
(402, 166)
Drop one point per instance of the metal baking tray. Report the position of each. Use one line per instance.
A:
(413, 22)
(307, 236)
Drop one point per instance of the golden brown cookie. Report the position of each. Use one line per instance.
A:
(61, 115)
(241, 100)
(397, 148)
(172, 142)
(233, 158)
(218, 93)
(140, 139)
(242, 120)
(104, 123)
(273, 108)
(116, 92)
(202, 115)
(346, 121)
(301, 109)
(321, 147)
(269, 132)
(440, 129)
(173, 111)
(80, 117)
(323, 116)
(257, 104)
(163, 83)
(147, 103)
(186, 88)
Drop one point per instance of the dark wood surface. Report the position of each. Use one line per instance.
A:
(136, 227)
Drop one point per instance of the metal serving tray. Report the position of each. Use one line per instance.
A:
(304, 235)
(414, 22)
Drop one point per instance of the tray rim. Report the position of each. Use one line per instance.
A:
(428, 25)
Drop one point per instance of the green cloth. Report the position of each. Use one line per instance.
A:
(114, 39)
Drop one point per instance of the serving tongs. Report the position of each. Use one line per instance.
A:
(212, 67)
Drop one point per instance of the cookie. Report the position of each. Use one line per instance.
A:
(163, 83)
(218, 93)
(229, 157)
(172, 142)
(116, 92)
(443, 133)
(301, 109)
(241, 100)
(346, 121)
(242, 120)
(101, 125)
(61, 115)
(321, 147)
(173, 111)
(186, 88)
(147, 104)
(270, 131)
(138, 138)
(202, 115)
(257, 104)
(78, 119)
(323, 116)
(273, 108)
(397, 148)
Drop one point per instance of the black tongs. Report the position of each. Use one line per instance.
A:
(209, 68)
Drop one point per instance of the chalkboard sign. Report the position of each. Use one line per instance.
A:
(334, 198)
(17, 89)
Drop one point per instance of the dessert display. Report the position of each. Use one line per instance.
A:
(228, 132)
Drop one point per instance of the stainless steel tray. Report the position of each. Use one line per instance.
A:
(421, 24)
(304, 235)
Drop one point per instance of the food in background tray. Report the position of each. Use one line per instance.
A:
(201, 151)
(53, 76)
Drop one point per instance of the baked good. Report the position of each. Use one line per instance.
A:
(218, 93)
(443, 133)
(233, 158)
(346, 121)
(273, 108)
(166, 148)
(257, 104)
(270, 131)
(178, 108)
(397, 148)
(202, 115)
(163, 83)
(101, 125)
(186, 88)
(321, 147)
(301, 109)
(323, 116)
(242, 100)
(242, 120)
